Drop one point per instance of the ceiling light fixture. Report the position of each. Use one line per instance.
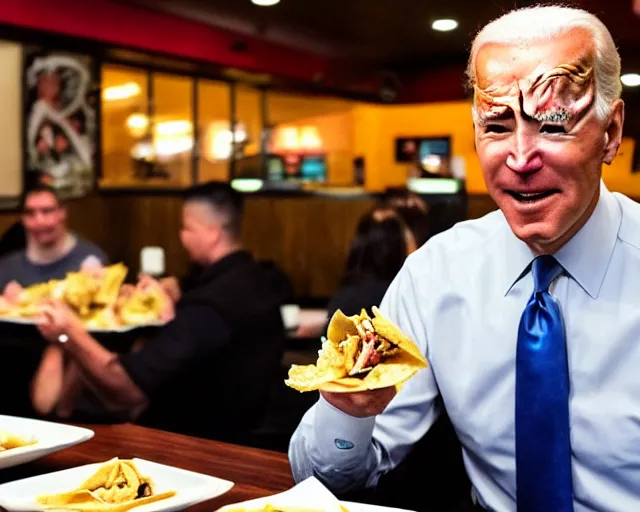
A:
(630, 79)
(444, 25)
(265, 3)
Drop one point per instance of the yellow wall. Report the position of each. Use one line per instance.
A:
(11, 94)
(334, 120)
(376, 128)
(618, 176)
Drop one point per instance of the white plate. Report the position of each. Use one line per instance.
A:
(310, 494)
(50, 437)
(363, 507)
(190, 487)
(127, 328)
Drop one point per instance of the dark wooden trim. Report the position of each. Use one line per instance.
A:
(195, 151)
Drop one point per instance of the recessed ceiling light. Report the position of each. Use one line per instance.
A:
(630, 79)
(265, 3)
(444, 25)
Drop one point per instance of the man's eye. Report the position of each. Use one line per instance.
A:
(552, 128)
(496, 128)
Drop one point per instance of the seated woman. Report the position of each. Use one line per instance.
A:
(381, 244)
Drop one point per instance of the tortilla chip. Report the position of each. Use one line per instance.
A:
(110, 284)
(337, 357)
(393, 372)
(310, 377)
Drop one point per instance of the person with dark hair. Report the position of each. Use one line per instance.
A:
(15, 237)
(227, 337)
(417, 221)
(378, 250)
(51, 250)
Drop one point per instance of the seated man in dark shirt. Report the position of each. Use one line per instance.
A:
(51, 249)
(208, 372)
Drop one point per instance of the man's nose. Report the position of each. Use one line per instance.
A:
(524, 156)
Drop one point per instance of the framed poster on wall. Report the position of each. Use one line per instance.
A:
(61, 118)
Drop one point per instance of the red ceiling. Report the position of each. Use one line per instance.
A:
(135, 27)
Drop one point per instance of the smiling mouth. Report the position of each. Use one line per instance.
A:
(532, 197)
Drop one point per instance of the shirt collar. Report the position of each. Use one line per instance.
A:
(585, 257)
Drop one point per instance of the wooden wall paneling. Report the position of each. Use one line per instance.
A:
(479, 205)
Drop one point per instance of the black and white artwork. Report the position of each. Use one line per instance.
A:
(61, 119)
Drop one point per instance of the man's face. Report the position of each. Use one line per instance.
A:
(44, 219)
(538, 139)
(199, 234)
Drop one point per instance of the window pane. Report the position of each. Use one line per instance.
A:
(314, 125)
(249, 121)
(124, 122)
(172, 129)
(214, 112)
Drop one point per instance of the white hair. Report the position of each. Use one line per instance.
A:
(544, 23)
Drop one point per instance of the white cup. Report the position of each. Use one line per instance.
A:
(290, 315)
(152, 261)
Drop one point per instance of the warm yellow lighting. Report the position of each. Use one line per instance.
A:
(171, 146)
(444, 25)
(121, 92)
(630, 79)
(309, 138)
(288, 139)
(432, 163)
(218, 140)
(137, 124)
(169, 128)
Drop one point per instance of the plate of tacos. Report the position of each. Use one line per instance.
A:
(98, 296)
(116, 485)
(359, 353)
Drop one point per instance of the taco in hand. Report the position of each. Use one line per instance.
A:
(360, 353)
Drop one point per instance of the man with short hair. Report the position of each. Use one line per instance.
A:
(207, 372)
(52, 250)
(529, 316)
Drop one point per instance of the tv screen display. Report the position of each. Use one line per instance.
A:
(313, 168)
(413, 149)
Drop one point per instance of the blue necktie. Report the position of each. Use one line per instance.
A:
(543, 448)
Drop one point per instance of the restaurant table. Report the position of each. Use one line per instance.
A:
(255, 472)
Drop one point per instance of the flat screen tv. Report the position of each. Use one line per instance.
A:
(413, 149)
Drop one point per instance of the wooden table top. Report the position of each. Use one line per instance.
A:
(256, 473)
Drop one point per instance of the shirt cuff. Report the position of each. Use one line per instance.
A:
(340, 434)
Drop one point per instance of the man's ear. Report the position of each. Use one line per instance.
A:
(613, 133)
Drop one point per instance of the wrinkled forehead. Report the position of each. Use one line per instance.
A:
(550, 80)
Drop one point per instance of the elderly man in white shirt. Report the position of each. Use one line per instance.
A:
(529, 316)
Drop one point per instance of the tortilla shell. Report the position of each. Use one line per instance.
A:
(330, 375)
(394, 371)
(310, 377)
(340, 326)
(85, 501)
(388, 330)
